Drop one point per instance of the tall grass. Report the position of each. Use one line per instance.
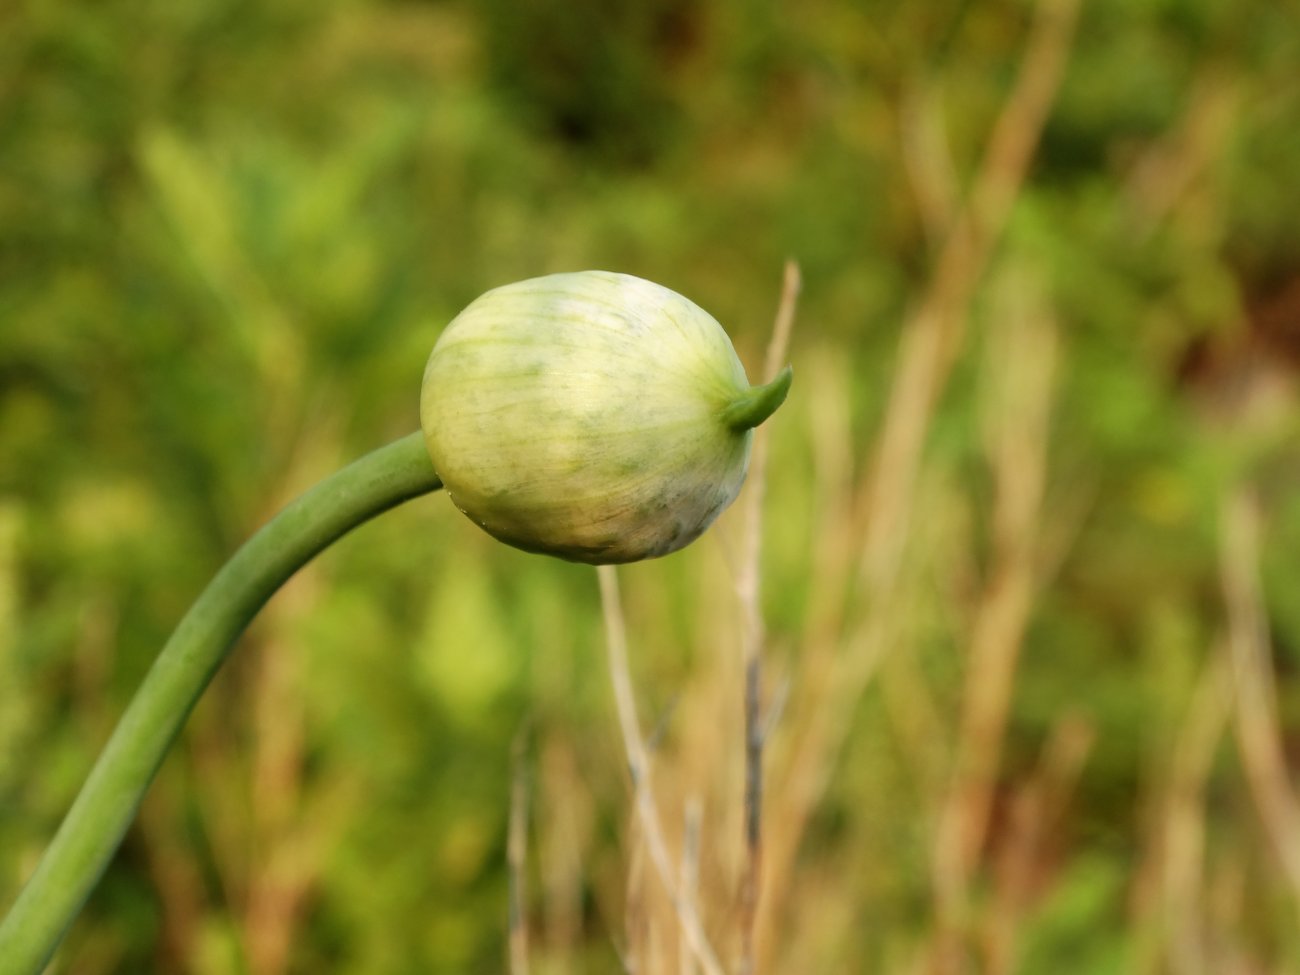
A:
(945, 851)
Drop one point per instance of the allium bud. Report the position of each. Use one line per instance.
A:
(593, 416)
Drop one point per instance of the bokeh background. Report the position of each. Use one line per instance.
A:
(1031, 552)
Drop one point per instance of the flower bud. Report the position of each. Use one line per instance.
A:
(593, 416)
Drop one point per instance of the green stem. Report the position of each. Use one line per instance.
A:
(94, 827)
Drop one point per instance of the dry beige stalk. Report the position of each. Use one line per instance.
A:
(748, 592)
(1035, 810)
(647, 813)
(1022, 355)
(1182, 829)
(1259, 736)
(690, 876)
(516, 858)
(930, 341)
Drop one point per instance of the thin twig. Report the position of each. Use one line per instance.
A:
(636, 916)
(1258, 729)
(1022, 357)
(690, 875)
(1182, 827)
(516, 855)
(753, 812)
(930, 341)
(748, 575)
(1162, 177)
(926, 154)
(563, 831)
(1036, 811)
(639, 769)
(748, 591)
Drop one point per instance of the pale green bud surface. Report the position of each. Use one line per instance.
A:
(593, 416)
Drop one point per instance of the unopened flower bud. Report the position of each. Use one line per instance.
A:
(593, 416)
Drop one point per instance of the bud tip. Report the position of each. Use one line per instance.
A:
(757, 403)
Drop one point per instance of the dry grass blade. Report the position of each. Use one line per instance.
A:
(930, 341)
(1161, 179)
(1035, 811)
(927, 155)
(1182, 830)
(690, 875)
(748, 574)
(748, 591)
(516, 855)
(639, 767)
(1022, 355)
(1258, 729)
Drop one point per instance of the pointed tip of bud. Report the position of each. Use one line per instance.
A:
(757, 403)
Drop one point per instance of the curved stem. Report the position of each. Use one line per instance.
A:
(94, 827)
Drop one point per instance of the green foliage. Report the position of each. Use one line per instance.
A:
(229, 235)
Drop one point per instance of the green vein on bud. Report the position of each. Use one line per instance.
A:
(757, 403)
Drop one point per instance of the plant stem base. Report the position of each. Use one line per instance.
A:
(94, 827)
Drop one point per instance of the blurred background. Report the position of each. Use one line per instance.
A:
(1031, 551)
